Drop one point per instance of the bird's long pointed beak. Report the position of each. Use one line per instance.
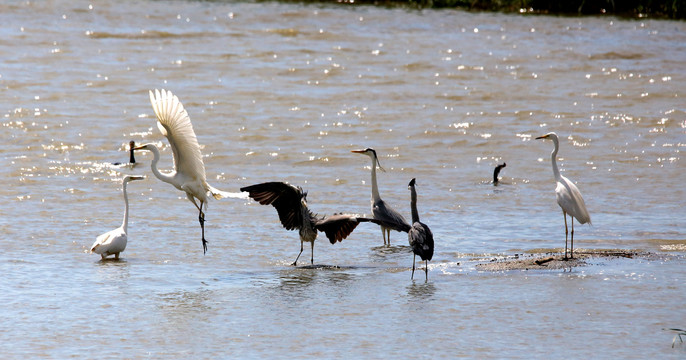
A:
(358, 151)
(139, 148)
(137, 177)
(542, 137)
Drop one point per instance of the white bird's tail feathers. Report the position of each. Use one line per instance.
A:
(219, 194)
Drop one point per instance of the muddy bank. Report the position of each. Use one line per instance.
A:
(556, 261)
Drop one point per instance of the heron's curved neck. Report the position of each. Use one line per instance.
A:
(413, 204)
(168, 178)
(125, 224)
(553, 159)
(375, 187)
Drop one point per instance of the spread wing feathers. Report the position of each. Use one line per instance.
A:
(570, 200)
(421, 240)
(388, 217)
(174, 123)
(285, 198)
(337, 227)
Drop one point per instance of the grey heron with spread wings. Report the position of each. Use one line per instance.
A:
(291, 204)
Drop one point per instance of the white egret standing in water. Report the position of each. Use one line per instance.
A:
(189, 171)
(420, 237)
(568, 195)
(113, 242)
(390, 219)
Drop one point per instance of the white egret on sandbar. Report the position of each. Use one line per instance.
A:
(390, 219)
(189, 171)
(568, 195)
(420, 237)
(291, 204)
(114, 242)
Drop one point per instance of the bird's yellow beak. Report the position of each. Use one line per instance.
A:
(140, 148)
(358, 151)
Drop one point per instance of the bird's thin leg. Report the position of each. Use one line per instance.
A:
(116, 256)
(201, 219)
(383, 233)
(312, 255)
(572, 248)
(564, 213)
(388, 235)
(295, 263)
(426, 269)
(414, 257)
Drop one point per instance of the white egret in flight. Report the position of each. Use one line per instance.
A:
(420, 237)
(568, 195)
(291, 204)
(389, 218)
(113, 242)
(189, 171)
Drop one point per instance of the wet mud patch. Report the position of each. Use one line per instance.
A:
(557, 261)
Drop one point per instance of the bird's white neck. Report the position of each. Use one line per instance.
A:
(168, 178)
(553, 158)
(125, 223)
(375, 187)
(413, 204)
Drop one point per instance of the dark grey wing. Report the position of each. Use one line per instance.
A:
(421, 240)
(285, 198)
(337, 227)
(389, 217)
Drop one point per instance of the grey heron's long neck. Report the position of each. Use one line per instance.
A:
(125, 224)
(375, 187)
(553, 159)
(153, 165)
(413, 204)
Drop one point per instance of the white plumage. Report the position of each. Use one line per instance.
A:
(189, 170)
(114, 241)
(568, 195)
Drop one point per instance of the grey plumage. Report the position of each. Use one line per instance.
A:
(290, 203)
(420, 237)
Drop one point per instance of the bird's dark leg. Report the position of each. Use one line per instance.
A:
(312, 255)
(564, 213)
(388, 236)
(414, 257)
(201, 219)
(572, 248)
(383, 233)
(295, 263)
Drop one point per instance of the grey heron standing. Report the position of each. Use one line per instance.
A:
(568, 195)
(291, 204)
(389, 218)
(114, 241)
(420, 237)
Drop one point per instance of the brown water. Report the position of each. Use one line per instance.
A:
(284, 92)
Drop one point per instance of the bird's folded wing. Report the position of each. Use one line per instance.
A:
(285, 198)
(174, 123)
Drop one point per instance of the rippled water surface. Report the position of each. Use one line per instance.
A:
(283, 92)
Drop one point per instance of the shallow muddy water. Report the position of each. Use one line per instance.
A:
(283, 92)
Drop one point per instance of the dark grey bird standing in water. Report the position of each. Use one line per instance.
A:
(291, 204)
(389, 218)
(496, 171)
(132, 159)
(420, 237)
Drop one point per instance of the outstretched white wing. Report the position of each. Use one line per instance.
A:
(174, 123)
